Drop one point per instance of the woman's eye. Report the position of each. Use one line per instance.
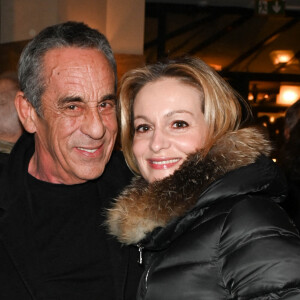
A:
(180, 124)
(142, 128)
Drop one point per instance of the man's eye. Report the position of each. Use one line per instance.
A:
(180, 124)
(107, 105)
(72, 107)
(103, 104)
(142, 128)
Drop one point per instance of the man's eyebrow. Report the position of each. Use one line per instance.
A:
(69, 99)
(109, 97)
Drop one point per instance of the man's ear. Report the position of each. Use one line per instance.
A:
(26, 112)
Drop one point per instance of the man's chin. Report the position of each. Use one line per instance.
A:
(87, 170)
(90, 175)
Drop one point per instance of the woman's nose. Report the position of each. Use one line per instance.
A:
(92, 124)
(159, 141)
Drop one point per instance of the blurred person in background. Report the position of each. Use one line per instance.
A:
(10, 125)
(292, 116)
(289, 160)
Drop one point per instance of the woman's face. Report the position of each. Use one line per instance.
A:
(169, 125)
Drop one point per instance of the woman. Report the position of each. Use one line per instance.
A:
(202, 208)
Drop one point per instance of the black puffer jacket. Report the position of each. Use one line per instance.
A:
(213, 230)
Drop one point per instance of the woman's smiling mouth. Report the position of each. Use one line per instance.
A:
(163, 163)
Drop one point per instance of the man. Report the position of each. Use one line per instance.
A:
(10, 126)
(62, 174)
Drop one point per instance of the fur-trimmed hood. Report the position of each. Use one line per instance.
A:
(142, 207)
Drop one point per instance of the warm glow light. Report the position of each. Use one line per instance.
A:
(250, 97)
(216, 67)
(284, 58)
(272, 119)
(281, 56)
(288, 94)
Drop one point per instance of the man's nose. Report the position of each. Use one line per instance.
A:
(92, 124)
(159, 141)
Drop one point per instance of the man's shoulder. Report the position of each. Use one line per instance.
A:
(117, 169)
(3, 160)
(117, 162)
(117, 155)
(115, 177)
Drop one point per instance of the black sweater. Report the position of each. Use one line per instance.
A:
(26, 271)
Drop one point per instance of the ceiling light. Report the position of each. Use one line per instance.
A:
(281, 56)
(288, 94)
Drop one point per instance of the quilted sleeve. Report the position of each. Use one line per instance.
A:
(260, 252)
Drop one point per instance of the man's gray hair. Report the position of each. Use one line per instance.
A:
(69, 34)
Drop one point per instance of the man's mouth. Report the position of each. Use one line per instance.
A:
(88, 150)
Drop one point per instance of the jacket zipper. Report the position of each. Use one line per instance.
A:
(140, 248)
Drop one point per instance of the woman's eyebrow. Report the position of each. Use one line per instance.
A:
(167, 115)
(179, 111)
(141, 117)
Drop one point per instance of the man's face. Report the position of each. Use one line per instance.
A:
(77, 130)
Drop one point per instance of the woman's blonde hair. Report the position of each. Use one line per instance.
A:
(222, 107)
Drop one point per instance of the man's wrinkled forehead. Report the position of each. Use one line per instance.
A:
(76, 66)
(74, 58)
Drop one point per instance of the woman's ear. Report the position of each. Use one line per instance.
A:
(26, 112)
